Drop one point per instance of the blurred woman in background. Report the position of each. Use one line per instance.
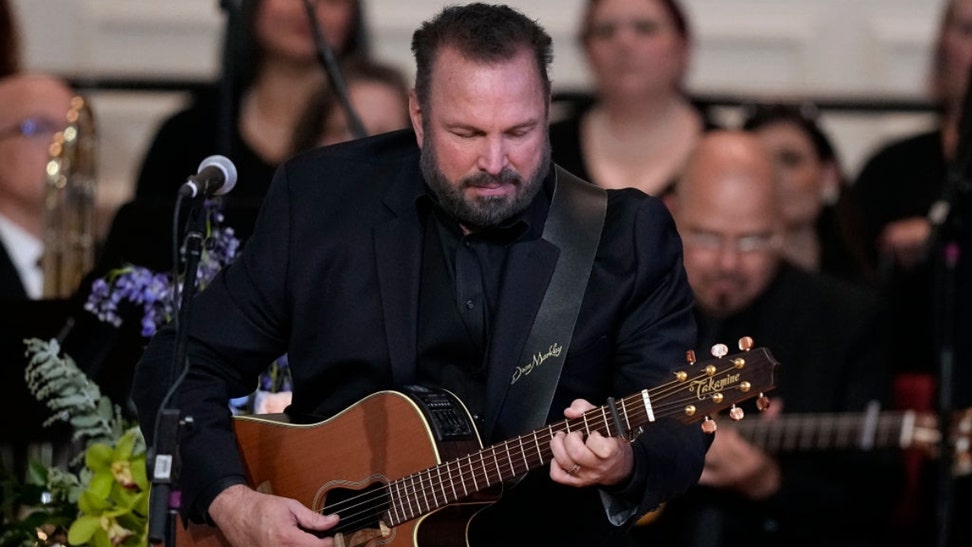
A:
(378, 94)
(273, 71)
(823, 230)
(642, 125)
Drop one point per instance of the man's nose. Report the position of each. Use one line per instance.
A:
(492, 157)
(728, 257)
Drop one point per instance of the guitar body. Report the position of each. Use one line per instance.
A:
(383, 437)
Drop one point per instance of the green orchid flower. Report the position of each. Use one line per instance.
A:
(114, 506)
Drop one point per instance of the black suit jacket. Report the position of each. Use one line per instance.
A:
(331, 276)
(11, 286)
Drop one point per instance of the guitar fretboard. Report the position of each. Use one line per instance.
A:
(839, 431)
(423, 492)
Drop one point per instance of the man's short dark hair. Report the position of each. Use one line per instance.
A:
(479, 32)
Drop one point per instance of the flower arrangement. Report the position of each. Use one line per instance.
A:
(104, 502)
(156, 292)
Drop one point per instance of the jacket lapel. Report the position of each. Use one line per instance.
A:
(11, 285)
(398, 248)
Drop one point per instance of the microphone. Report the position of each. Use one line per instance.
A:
(216, 176)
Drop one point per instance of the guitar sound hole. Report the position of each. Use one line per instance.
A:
(362, 509)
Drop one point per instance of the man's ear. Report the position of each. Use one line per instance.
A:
(415, 114)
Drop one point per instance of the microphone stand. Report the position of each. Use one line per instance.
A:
(325, 56)
(948, 230)
(165, 496)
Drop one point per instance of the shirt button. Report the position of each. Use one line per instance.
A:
(470, 305)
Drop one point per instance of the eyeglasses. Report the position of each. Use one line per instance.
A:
(752, 243)
(32, 127)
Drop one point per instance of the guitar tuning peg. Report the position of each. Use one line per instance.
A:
(736, 413)
(719, 351)
(762, 402)
(709, 426)
(746, 343)
(690, 356)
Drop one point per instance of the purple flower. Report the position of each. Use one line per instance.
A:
(153, 292)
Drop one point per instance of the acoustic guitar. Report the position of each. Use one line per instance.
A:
(407, 467)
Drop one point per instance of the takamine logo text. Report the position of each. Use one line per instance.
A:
(707, 386)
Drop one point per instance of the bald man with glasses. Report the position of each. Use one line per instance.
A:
(827, 335)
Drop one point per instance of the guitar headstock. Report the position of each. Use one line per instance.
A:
(703, 389)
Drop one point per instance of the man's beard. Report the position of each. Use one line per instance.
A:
(484, 211)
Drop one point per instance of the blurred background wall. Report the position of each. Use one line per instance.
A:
(863, 61)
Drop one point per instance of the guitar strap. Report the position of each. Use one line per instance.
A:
(573, 225)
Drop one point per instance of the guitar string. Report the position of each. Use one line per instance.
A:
(428, 486)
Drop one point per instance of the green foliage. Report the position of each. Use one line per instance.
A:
(106, 501)
(70, 394)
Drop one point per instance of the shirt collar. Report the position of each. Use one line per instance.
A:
(25, 252)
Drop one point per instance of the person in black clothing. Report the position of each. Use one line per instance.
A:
(897, 189)
(424, 259)
(272, 73)
(823, 228)
(641, 126)
(828, 337)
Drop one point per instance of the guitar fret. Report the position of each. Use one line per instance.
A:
(438, 484)
(587, 428)
(420, 494)
(624, 412)
(472, 471)
(536, 443)
(414, 495)
(408, 499)
(509, 458)
(482, 460)
(869, 426)
(526, 463)
(396, 506)
(499, 473)
(455, 495)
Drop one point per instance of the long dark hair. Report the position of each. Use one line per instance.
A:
(241, 57)
(9, 41)
(839, 222)
(243, 54)
(323, 104)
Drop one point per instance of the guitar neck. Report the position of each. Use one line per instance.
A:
(839, 431)
(432, 488)
(690, 396)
